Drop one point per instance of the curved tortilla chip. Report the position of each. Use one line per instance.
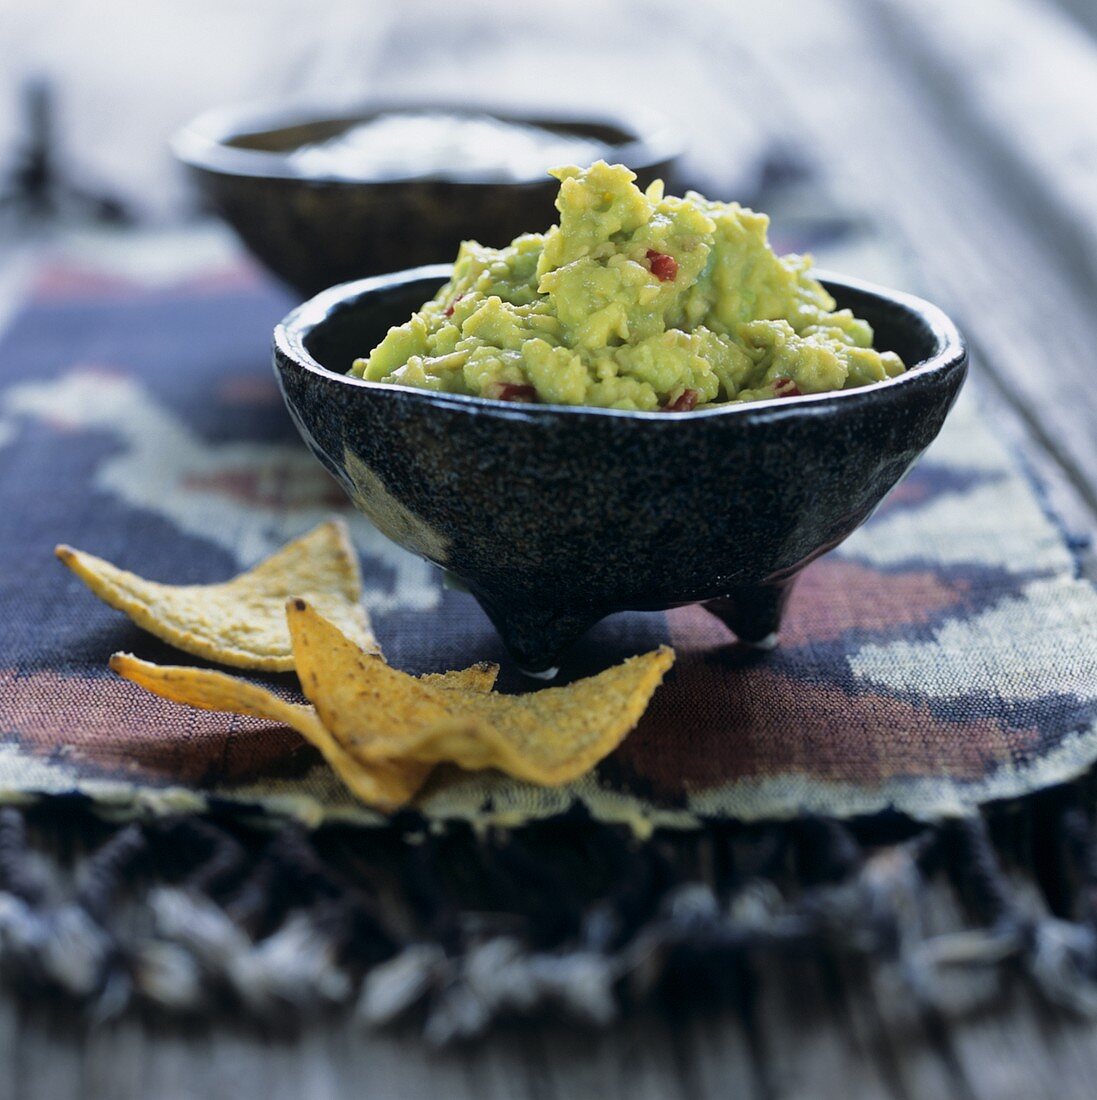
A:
(548, 737)
(241, 622)
(479, 677)
(358, 697)
(385, 785)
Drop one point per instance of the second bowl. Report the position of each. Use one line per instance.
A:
(313, 228)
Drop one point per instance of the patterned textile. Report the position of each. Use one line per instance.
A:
(944, 656)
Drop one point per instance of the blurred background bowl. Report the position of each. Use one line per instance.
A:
(314, 229)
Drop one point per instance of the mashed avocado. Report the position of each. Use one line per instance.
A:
(634, 301)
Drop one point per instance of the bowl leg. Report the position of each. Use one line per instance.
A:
(537, 637)
(754, 612)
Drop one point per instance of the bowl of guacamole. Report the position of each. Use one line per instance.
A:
(640, 408)
(635, 300)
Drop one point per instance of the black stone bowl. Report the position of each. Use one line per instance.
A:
(314, 231)
(554, 516)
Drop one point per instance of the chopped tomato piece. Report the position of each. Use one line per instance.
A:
(683, 402)
(785, 387)
(511, 391)
(663, 267)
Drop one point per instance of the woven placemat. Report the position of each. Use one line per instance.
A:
(942, 657)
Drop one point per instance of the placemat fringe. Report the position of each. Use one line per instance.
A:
(457, 930)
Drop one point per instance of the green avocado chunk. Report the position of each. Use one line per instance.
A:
(636, 300)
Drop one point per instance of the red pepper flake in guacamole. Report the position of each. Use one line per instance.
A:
(785, 387)
(511, 391)
(663, 267)
(683, 402)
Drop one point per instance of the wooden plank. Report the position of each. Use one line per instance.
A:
(46, 1061)
(896, 1028)
(9, 1047)
(721, 1054)
(891, 146)
(992, 63)
(688, 1055)
(372, 1065)
(813, 1046)
(113, 1059)
(175, 1064)
(996, 1029)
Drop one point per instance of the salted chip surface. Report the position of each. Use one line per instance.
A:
(385, 784)
(358, 696)
(479, 677)
(241, 622)
(548, 737)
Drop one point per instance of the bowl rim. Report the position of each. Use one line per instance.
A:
(290, 334)
(204, 141)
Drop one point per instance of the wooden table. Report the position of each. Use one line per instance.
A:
(967, 131)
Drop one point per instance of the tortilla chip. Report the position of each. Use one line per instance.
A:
(385, 785)
(358, 697)
(548, 737)
(241, 622)
(479, 677)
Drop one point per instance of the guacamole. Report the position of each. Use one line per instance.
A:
(636, 300)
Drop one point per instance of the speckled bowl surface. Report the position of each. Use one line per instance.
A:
(313, 231)
(555, 517)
